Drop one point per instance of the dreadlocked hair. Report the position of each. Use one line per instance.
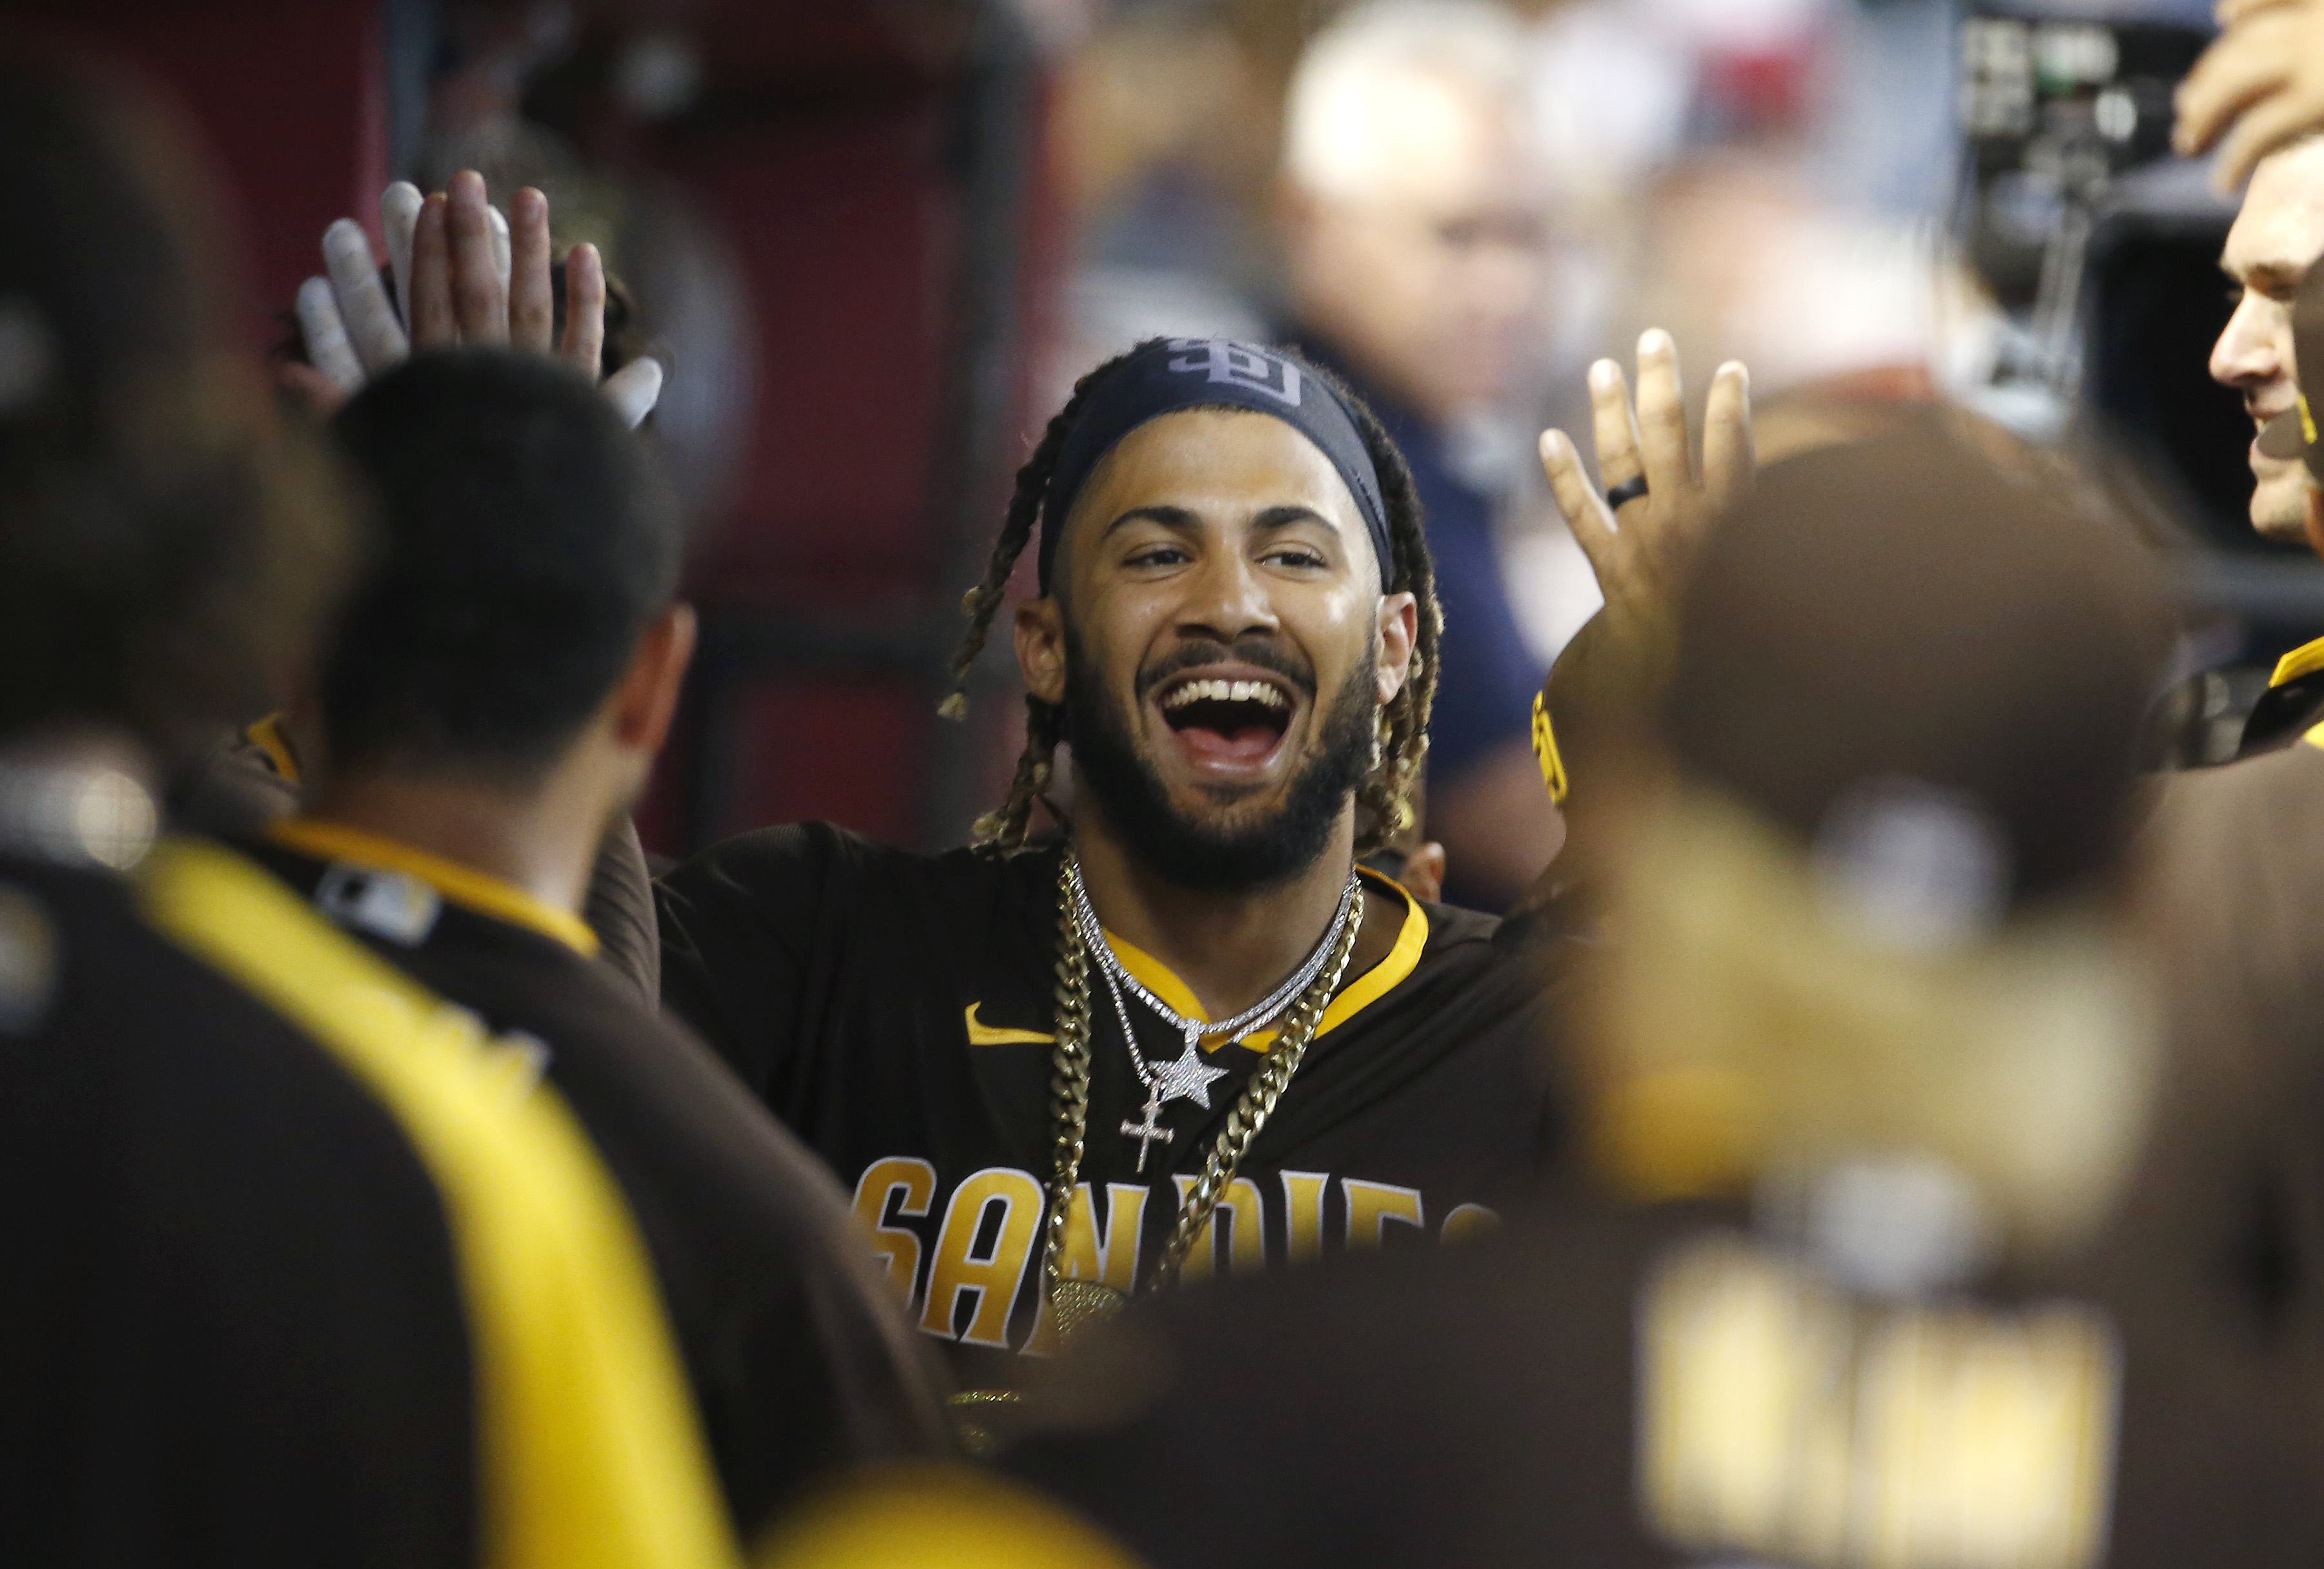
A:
(1385, 798)
(1384, 801)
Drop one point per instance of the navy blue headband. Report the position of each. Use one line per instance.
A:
(1168, 375)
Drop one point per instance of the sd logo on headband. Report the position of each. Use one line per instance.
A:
(1164, 375)
(1237, 365)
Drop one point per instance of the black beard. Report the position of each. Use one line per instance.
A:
(1191, 853)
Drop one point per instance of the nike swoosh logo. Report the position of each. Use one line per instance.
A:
(986, 1035)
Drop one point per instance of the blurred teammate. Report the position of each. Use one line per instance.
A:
(1060, 1070)
(1415, 239)
(459, 274)
(1870, 1063)
(298, 1272)
(495, 695)
(2277, 238)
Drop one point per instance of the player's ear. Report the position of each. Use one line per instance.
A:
(1040, 635)
(646, 699)
(1399, 632)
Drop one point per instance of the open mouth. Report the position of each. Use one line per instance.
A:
(1228, 724)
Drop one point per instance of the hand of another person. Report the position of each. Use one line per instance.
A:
(463, 273)
(1641, 544)
(1641, 540)
(2259, 86)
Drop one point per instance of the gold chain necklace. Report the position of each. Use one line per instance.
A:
(1077, 1302)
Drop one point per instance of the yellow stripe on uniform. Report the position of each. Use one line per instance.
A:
(591, 1456)
(2305, 659)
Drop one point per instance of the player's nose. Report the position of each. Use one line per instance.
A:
(2246, 354)
(1227, 601)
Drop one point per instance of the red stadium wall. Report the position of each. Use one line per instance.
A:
(826, 149)
(289, 94)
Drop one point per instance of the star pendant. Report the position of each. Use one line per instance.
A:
(1186, 1079)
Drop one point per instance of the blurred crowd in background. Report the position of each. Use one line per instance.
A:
(880, 241)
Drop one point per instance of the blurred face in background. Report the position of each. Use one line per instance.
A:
(2276, 237)
(1424, 255)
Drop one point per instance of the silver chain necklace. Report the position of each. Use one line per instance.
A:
(1187, 1078)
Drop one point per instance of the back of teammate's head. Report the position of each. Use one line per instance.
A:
(527, 541)
(1870, 900)
(164, 550)
(1936, 612)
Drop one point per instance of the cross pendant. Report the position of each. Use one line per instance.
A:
(1147, 1131)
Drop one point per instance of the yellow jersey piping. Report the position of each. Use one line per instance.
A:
(464, 885)
(590, 1455)
(1367, 989)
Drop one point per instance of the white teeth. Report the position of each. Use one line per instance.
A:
(1217, 691)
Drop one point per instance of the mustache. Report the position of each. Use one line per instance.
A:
(1256, 651)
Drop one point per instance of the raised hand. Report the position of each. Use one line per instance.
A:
(463, 273)
(1641, 543)
(2260, 86)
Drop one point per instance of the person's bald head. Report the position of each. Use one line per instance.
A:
(1414, 207)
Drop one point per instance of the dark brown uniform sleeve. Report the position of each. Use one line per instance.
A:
(620, 910)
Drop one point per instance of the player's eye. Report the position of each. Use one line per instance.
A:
(1295, 556)
(1158, 556)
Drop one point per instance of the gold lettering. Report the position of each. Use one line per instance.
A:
(1742, 1439)
(993, 1276)
(1303, 1213)
(1246, 1231)
(1988, 1441)
(1780, 1419)
(1371, 1205)
(884, 1180)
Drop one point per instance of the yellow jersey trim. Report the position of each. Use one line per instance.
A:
(268, 738)
(935, 1516)
(590, 1457)
(1546, 752)
(2307, 420)
(1411, 941)
(2305, 659)
(981, 1034)
(2315, 737)
(463, 885)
